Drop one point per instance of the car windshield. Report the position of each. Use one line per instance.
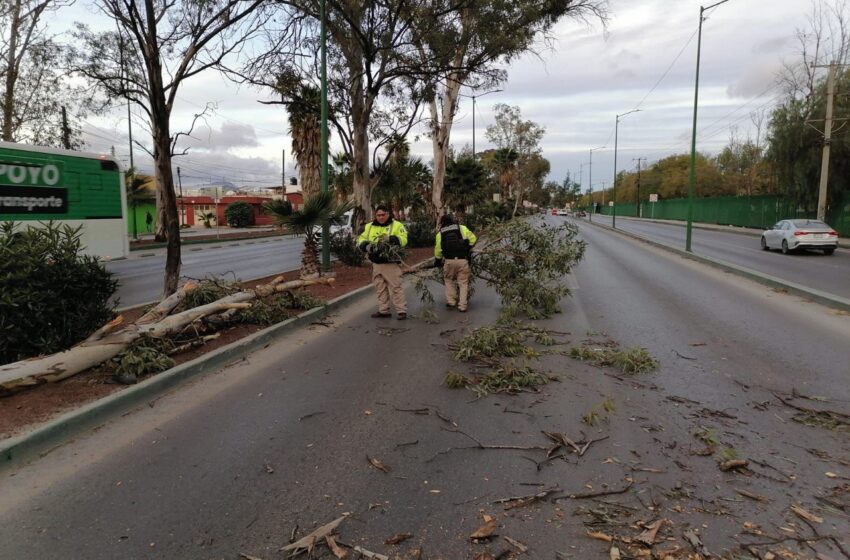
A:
(810, 224)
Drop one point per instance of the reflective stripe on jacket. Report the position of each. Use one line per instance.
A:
(373, 232)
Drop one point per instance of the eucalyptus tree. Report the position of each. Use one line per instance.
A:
(472, 43)
(35, 92)
(157, 46)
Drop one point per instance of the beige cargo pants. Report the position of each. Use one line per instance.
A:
(388, 285)
(456, 276)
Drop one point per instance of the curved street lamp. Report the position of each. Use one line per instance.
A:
(616, 138)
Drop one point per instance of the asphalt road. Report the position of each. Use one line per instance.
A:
(812, 269)
(235, 461)
(141, 277)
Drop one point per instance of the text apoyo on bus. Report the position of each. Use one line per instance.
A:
(47, 175)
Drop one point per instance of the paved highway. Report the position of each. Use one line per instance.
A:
(141, 277)
(238, 461)
(812, 269)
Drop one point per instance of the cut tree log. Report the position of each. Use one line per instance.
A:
(111, 339)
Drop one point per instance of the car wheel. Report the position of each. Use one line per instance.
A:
(764, 246)
(829, 251)
(785, 249)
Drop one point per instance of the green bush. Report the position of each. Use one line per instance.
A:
(420, 234)
(51, 295)
(239, 214)
(344, 248)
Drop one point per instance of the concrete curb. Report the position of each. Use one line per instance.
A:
(43, 439)
(829, 300)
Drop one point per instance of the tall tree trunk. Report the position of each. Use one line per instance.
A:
(11, 75)
(159, 225)
(360, 165)
(162, 160)
(307, 146)
(160, 122)
(442, 120)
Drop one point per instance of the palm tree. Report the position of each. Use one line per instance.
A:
(303, 103)
(137, 193)
(317, 209)
(505, 161)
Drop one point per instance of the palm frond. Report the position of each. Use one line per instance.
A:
(316, 210)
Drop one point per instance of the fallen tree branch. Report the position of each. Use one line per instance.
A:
(109, 341)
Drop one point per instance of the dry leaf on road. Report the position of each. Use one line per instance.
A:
(375, 462)
(399, 538)
(486, 531)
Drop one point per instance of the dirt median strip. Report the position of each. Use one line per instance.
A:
(43, 439)
(818, 296)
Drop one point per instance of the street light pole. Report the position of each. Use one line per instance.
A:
(326, 249)
(616, 140)
(692, 174)
(590, 182)
(474, 97)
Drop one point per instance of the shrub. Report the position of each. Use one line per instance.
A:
(239, 214)
(344, 248)
(420, 234)
(51, 295)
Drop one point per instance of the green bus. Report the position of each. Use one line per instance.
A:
(40, 184)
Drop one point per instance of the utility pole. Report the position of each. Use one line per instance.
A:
(638, 160)
(590, 182)
(827, 141)
(283, 172)
(474, 97)
(326, 230)
(692, 174)
(66, 130)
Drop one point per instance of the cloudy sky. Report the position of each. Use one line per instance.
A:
(575, 90)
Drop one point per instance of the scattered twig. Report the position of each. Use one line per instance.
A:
(516, 544)
(586, 495)
(305, 543)
(750, 495)
(311, 415)
(522, 501)
(369, 554)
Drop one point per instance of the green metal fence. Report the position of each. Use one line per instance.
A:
(745, 211)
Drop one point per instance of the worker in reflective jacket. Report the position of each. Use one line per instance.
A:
(386, 271)
(452, 251)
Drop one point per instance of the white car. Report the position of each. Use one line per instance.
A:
(563, 212)
(791, 235)
(344, 226)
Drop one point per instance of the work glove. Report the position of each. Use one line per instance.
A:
(364, 246)
(395, 240)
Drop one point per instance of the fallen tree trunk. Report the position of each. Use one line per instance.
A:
(114, 337)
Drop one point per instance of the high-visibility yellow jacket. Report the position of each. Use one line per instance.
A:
(465, 233)
(373, 232)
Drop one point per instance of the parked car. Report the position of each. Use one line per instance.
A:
(581, 214)
(344, 226)
(563, 212)
(554, 212)
(791, 235)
